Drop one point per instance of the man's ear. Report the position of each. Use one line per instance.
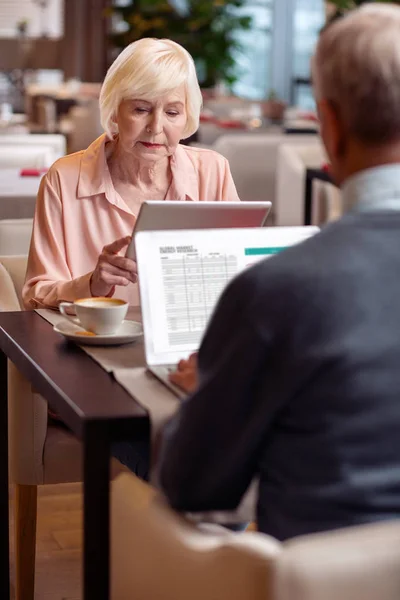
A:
(332, 129)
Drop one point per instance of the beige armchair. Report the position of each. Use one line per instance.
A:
(85, 125)
(39, 453)
(55, 141)
(292, 163)
(157, 554)
(356, 563)
(253, 162)
(26, 157)
(15, 236)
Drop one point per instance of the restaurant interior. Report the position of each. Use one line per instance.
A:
(70, 534)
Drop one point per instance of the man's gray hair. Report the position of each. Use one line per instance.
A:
(357, 67)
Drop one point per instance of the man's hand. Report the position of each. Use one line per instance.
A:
(186, 374)
(112, 269)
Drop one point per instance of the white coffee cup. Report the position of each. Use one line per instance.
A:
(102, 316)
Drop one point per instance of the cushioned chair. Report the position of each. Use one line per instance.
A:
(157, 554)
(253, 161)
(55, 141)
(222, 106)
(356, 563)
(15, 236)
(39, 453)
(292, 162)
(29, 157)
(85, 125)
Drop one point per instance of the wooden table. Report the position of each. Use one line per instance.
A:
(95, 407)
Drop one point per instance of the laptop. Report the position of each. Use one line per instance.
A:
(165, 214)
(181, 277)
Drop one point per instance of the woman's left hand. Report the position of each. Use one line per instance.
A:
(186, 374)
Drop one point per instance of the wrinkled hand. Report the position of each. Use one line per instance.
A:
(113, 269)
(185, 375)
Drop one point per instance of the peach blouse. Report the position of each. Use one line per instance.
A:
(78, 212)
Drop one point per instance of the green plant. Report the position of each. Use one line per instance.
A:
(206, 30)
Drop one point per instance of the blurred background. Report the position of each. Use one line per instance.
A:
(254, 48)
(253, 63)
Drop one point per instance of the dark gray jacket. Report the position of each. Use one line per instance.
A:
(300, 385)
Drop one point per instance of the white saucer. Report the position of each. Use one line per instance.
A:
(129, 331)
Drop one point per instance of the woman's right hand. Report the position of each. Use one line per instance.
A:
(112, 269)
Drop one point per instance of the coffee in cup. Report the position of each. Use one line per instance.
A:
(102, 316)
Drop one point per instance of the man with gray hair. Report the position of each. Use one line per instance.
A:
(356, 76)
(298, 376)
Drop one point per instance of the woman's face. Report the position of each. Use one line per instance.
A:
(151, 129)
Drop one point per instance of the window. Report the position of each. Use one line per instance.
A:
(309, 17)
(47, 20)
(277, 50)
(254, 60)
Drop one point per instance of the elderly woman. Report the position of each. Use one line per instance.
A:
(88, 201)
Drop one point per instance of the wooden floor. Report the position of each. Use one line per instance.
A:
(59, 542)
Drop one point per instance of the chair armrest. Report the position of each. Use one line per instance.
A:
(8, 295)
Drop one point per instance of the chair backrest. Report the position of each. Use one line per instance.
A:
(12, 277)
(253, 161)
(15, 236)
(29, 157)
(85, 125)
(37, 454)
(222, 107)
(292, 162)
(55, 141)
(356, 563)
(156, 554)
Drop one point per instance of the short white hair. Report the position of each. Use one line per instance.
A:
(147, 69)
(357, 68)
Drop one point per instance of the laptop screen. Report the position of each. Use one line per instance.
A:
(183, 273)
